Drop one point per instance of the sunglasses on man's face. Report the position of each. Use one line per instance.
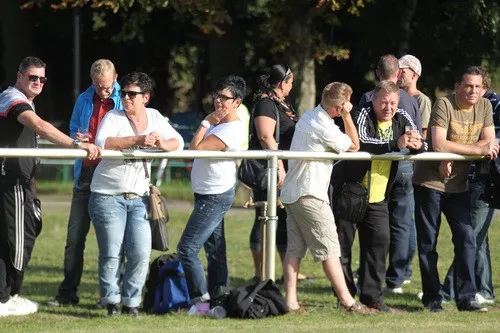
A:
(130, 94)
(34, 78)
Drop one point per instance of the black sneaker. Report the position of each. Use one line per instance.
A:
(471, 306)
(58, 303)
(435, 306)
(134, 311)
(381, 307)
(113, 310)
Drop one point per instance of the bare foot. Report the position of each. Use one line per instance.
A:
(302, 277)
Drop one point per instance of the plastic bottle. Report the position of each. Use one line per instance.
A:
(217, 312)
(199, 309)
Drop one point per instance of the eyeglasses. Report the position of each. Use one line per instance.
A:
(34, 78)
(223, 98)
(130, 94)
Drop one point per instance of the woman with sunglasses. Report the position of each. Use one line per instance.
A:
(213, 186)
(270, 98)
(119, 202)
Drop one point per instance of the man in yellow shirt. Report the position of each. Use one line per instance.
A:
(382, 129)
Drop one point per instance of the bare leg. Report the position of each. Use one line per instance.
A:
(257, 261)
(334, 273)
(300, 276)
(291, 267)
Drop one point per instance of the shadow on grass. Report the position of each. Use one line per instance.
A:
(55, 270)
(398, 301)
(78, 311)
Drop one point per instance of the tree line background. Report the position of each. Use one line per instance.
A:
(186, 45)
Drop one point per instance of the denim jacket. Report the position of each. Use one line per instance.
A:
(82, 112)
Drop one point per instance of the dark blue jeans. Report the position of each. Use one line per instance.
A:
(429, 204)
(205, 228)
(482, 216)
(403, 235)
(78, 228)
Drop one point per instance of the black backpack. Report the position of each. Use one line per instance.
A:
(256, 301)
(492, 183)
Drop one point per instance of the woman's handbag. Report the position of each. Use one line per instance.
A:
(158, 212)
(158, 219)
(253, 173)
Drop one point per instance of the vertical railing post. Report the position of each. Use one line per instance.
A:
(272, 219)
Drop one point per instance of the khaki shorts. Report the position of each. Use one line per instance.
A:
(310, 225)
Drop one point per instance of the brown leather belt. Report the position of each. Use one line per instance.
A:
(130, 196)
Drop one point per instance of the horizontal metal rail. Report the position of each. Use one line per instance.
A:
(271, 155)
(247, 154)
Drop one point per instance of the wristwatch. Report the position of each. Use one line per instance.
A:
(205, 123)
(76, 143)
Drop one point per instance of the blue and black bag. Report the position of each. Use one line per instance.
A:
(166, 286)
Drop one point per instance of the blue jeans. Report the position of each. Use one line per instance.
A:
(205, 227)
(121, 224)
(482, 216)
(78, 228)
(429, 204)
(403, 235)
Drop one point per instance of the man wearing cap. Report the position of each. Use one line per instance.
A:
(410, 72)
(400, 199)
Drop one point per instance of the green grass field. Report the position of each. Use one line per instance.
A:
(46, 271)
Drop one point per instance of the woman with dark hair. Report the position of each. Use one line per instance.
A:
(119, 201)
(270, 98)
(213, 186)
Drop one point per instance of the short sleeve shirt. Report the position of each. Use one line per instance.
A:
(13, 134)
(316, 131)
(210, 176)
(462, 126)
(267, 107)
(425, 106)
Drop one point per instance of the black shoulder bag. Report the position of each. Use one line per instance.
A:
(352, 201)
(253, 173)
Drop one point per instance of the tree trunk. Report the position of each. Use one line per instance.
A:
(301, 60)
(15, 37)
(405, 19)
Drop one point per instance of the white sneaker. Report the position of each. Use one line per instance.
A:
(481, 300)
(398, 290)
(8, 308)
(23, 305)
(420, 295)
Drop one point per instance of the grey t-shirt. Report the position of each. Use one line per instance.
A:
(425, 106)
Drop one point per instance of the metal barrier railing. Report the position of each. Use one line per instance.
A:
(271, 155)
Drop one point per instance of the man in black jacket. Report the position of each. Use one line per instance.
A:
(382, 129)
